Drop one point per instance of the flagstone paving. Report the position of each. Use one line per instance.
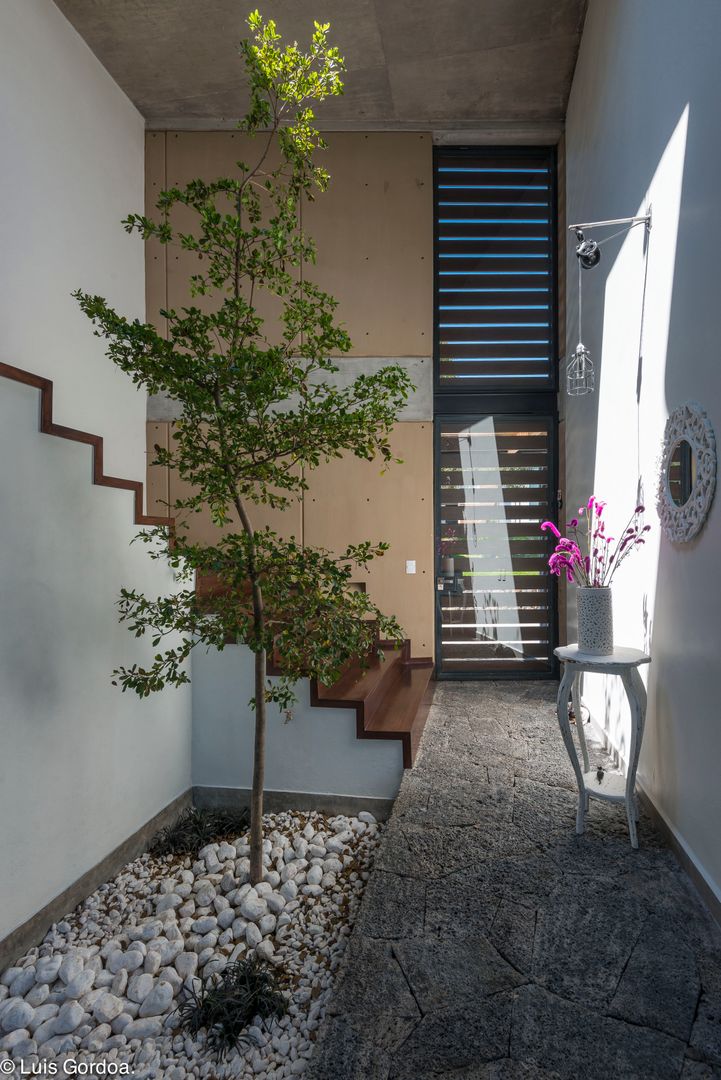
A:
(494, 944)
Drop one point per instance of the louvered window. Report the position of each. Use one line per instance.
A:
(495, 246)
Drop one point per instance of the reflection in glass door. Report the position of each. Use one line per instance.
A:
(494, 595)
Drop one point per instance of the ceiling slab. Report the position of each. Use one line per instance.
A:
(458, 65)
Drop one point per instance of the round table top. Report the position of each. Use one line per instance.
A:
(622, 656)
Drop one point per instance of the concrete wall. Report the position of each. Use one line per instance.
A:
(81, 765)
(643, 129)
(317, 751)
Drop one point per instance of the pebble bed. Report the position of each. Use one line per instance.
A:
(106, 981)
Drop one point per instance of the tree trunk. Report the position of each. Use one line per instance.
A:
(256, 794)
(256, 797)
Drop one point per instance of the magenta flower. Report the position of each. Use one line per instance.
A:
(552, 527)
(597, 566)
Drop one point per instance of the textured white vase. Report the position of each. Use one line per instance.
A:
(595, 620)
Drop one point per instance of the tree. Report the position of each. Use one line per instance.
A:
(259, 408)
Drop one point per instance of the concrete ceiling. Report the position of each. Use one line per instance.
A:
(481, 66)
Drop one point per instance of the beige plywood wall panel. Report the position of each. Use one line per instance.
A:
(350, 500)
(208, 155)
(286, 523)
(374, 233)
(155, 252)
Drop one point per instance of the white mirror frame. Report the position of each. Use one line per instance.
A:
(682, 523)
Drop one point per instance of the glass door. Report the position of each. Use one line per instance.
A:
(495, 598)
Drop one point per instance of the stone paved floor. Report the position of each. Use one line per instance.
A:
(493, 943)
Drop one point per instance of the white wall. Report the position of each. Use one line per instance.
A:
(642, 129)
(317, 751)
(81, 765)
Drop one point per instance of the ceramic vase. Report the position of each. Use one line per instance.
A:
(595, 620)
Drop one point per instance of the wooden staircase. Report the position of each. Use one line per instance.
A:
(391, 696)
(391, 692)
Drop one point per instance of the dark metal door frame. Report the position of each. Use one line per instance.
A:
(475, 404)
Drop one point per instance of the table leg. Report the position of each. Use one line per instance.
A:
(637, 701)
(640, 694)
(576, 699)
(565, 726)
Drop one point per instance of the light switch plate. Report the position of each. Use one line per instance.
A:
(410, 566)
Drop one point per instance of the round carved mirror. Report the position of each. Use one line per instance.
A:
(688, 473)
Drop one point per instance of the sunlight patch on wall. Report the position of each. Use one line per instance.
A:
(632, 408)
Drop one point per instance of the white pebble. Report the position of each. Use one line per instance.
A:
(69, 1017)
(158, 1001)
(253, 935)
(18, 1015)
(106, 1008)
(253, 907)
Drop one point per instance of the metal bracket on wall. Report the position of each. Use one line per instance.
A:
(630, 221)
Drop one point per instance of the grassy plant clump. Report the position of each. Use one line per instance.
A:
(224, 1005)
(197, 827)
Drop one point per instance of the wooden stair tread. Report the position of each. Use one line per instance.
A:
(399, 711)
(357, 684)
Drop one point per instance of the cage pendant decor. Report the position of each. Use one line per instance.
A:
(580, 378)
(595, 620)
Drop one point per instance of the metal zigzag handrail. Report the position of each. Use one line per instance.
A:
(49, 427)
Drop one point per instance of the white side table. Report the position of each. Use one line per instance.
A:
(613, 787)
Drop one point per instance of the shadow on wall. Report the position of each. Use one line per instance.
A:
(627, 124)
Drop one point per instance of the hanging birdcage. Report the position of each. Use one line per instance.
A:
(580, 378)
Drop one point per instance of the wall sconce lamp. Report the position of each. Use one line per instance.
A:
(580, 376)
